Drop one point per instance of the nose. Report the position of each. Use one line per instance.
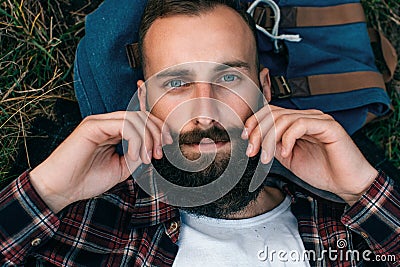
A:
(204, 111)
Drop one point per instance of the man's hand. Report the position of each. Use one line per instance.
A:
(86, 164)
(314, 147)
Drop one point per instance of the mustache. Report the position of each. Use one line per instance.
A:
(215, 133)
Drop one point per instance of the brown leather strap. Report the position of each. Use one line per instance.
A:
(132, 50)
(344, 82)
(311, 16)
(389, 54)
(326, 84)
(327, 16)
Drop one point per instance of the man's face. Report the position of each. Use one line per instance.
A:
(202, 81)
(187, 91)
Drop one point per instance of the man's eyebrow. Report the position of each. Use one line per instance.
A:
(233, 64)
(220, 67)
(173, 73)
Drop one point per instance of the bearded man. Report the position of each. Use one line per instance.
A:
(202, 109)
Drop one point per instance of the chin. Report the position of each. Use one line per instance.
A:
(215, 165)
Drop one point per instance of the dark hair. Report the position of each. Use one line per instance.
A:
(156, 9)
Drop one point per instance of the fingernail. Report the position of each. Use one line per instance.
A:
(159, 151)
(283, 152)
(249, 149)
(245, 133)
(169, 138)
(264, 156)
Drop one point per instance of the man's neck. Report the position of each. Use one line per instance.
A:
(267, 200)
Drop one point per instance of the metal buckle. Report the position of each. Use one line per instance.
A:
(262, 15)
(286, 89)
(269, 15)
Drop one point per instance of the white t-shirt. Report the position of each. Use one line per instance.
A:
(270, 239)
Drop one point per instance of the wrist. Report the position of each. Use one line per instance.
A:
(359, 189)
(54, 200)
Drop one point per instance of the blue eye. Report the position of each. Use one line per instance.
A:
(176, 83)
(229, 77)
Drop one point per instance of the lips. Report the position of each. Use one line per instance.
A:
(207, 145)
(206, 141)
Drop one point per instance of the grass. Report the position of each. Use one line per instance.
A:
(385, 16)
(38, 41)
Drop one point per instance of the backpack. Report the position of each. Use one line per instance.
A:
(331, 69)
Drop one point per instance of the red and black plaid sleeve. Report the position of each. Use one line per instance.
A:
(25, 221)
(376, 217)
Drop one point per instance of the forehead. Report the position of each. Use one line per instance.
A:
(218, 35)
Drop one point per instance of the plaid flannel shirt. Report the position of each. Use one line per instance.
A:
(126, 227)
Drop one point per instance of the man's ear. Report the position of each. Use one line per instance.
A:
(265, 83)
(142, 94)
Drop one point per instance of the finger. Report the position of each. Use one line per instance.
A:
(278, 110)
(156, 136)
(253, 121)
(149, 134)
(268, 146)
(103, 132)
(127, 167)
(310, 129)
(165, 130)
(258, 134)
(134, 141)
(117, 115)
(275, 112)
(146, 149)
(99, 132)
(289, 138)
(283, 122)
(143, 142)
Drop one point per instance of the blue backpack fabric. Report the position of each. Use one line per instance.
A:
(105, 81)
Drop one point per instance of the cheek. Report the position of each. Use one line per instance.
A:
(161, 109)
(244, 106)
(157, 104)
(171, 112)
(244, 112)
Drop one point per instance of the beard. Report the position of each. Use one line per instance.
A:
(209, 167)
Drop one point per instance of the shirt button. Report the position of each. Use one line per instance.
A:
(365, 235)
(36, 242)
(173, 226)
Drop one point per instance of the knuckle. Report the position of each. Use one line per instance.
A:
(328, 117)
(90, 118)
(250, 121)
(302, 121)
(282, 119)
(88, 122)
(316, 111)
